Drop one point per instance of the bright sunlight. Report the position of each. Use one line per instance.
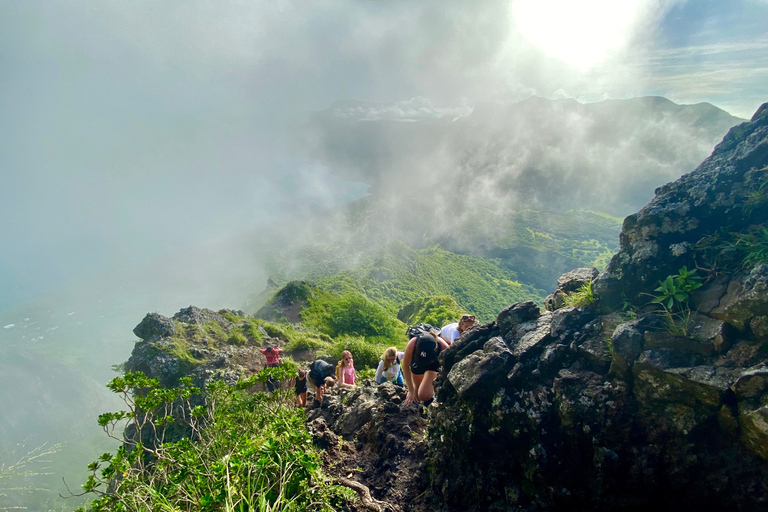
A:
(580, 33)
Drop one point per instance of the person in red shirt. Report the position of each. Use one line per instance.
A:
(273, 360)
(273, 355)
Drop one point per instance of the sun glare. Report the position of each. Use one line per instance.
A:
(581, 33)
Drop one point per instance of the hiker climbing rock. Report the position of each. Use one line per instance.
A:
(451, 332)
(300, 388)
(320, 378)
(389, 367)
(273, 361)
(420, 365)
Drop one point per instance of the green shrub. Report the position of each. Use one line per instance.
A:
(252, 452)
(364, 352)
(675, 290)
(237, 338)
(251, 330)
(357, 315)
(436, 310)
(231, 316)
(582, 297)
(303, 341)
(274, 331)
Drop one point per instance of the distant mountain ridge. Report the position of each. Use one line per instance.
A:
(561, 153)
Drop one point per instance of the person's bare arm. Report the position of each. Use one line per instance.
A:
(406, 369)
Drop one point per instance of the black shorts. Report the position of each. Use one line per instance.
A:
(317, 380)
(421, 367)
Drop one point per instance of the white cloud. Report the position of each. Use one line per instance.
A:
(582, 34)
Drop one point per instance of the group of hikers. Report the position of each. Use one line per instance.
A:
(416, 367)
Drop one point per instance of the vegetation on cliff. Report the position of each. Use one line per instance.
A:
(243, 451)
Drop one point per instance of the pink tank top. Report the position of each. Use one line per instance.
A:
(349, 375)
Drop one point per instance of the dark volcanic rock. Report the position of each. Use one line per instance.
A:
(154, 326)
(656, 241)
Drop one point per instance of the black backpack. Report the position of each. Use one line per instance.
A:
(417, 330)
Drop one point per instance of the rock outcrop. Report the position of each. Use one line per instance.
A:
(201, 343)
(649, 408)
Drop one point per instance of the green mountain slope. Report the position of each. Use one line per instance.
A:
(396, 276)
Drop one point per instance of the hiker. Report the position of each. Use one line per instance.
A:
(452, 331)
(345, 370)
(273, 361)
(273, 355)
(420, 366)
(320, 378)
(389, 367)
(300, 388)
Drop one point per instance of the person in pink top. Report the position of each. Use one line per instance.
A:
(273, 360)
(273, 355)
(345, 370)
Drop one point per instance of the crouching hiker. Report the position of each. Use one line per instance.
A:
(320, 378)
(389, 367)
(420, 365)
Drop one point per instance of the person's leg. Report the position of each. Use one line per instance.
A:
(417, 379)
(303, 399)
(399, 380)
(426, 388)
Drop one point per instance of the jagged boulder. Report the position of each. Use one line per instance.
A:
(568, 283)
(198, 316)
(155, 325)
(480, 373)
(745, 303)
(511, 317)
(195, 342)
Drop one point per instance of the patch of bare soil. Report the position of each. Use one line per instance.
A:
(370, 437)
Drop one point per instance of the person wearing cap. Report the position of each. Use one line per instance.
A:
(452, 331)
(420, 366)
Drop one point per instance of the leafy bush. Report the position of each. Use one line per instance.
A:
(674, 293)
(250, 451)
(675, 290)
(365, 352)
(438, 311)
(357, 315)
(274, 331)
(251, 330)
(304, 341)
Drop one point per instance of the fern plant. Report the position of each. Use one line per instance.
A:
(582, 297)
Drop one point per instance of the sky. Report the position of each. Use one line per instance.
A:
(135, 132)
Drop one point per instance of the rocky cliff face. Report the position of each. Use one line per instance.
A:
(591, 409)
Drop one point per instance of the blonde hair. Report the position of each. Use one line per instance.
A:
(344, 354)
(391, 351)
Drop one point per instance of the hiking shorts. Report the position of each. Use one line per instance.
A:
(421, 367)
